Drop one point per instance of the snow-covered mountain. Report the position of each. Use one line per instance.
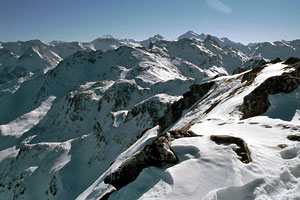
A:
(192, 35)
(18, 59)
(280, 49)
(221, 147)
(155, 38)
(112, 119)
(266, 50)
(224, 41)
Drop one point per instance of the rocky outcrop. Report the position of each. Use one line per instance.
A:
(250, 76)
(157, 153)
(174, 112)
(257, 102)
(242, 151)
(250, 64)
(274, 61)
(291, 61)
(294, 137)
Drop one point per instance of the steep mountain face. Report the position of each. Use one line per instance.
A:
(207, 54)
(211, 152)
(223, 42)
(18, 59)
(91, 102)
(266, 50)
(280, 49)
(155, 38)
(104, 43)
(65, 49)
(165, 113)
(192, 35)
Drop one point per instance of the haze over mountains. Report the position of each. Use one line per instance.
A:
(200, 117)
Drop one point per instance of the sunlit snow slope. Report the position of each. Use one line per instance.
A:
(208, 168)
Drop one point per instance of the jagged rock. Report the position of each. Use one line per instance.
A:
(250, 64)
(176, 134)
(257, 102)
(242, 151)
(291, 61)
(174, 112)
(294, 137)
(252, 74)
(276, 60)
(106, 196)
(154, 154)
(157, 153)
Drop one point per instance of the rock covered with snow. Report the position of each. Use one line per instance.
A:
(212, 163)
(257, 103)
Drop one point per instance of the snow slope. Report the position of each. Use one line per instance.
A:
(103, 103)
(208, 170)
(71, 108)
(279, 49)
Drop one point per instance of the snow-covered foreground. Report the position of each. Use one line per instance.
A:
(212, 171)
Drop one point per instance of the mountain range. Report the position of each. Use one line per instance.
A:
(199, 117)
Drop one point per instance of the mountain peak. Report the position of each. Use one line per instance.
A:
(107, 36)
(158, 36)
(192, 35)
(212, 40)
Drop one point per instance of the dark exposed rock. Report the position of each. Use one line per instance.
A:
(282, 146)
(294, 137)
(242, 151)
(250, 64)
(274, 61)
(176, 134)
(174, 112)
(213, 105)
(257, 102)
(252, 74)
(107, 195)
(53, 188)
(291, 61)
(157, 153)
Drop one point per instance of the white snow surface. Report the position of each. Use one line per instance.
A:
(24, 123)
(210, 171)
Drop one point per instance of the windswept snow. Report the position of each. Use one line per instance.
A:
(24, 123)
(296, 118)
(211, 171)
(9, 152)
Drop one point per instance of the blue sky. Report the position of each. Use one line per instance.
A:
(85, 20)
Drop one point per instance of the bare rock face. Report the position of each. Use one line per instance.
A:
(157, 153)
(174, 112)
(291, 61)
(276, 60)
(242, 151)
(252, 74)
(250, 64)
(294, 137)
(257, 102)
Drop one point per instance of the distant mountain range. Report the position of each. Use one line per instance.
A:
(17, 58)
